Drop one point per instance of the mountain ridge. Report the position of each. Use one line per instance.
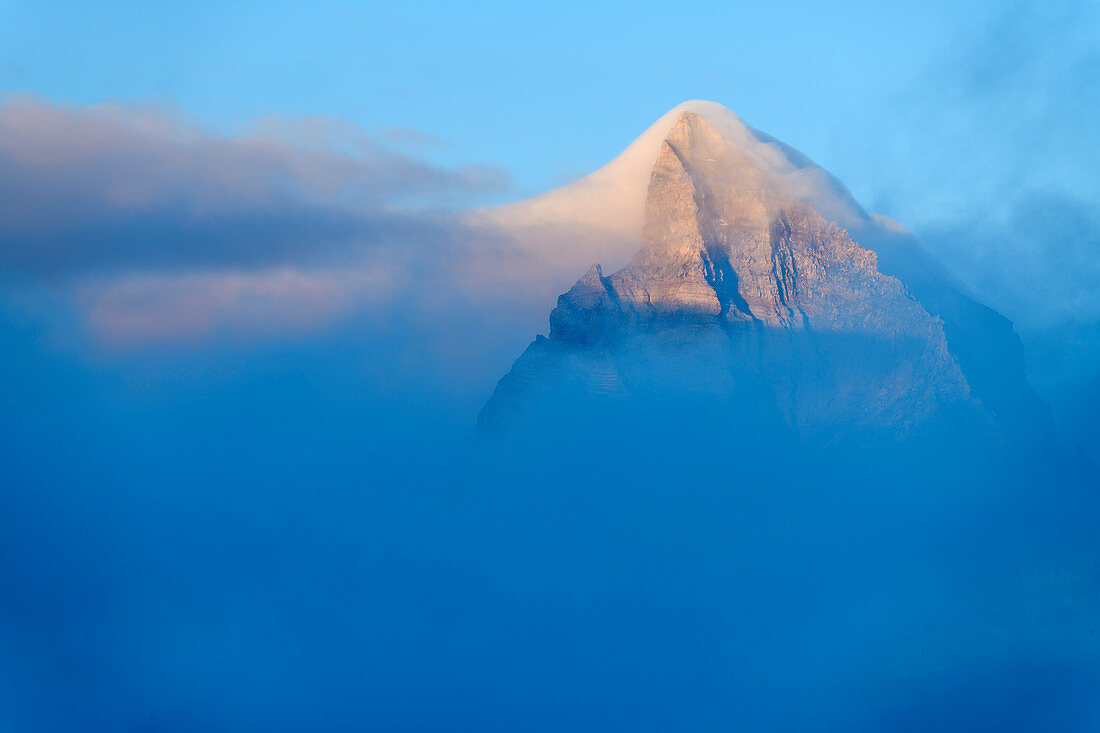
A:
(735, 235)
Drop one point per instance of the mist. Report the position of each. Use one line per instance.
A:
(244, 485)
(313, 535)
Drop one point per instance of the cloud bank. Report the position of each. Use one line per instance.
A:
(158, 227)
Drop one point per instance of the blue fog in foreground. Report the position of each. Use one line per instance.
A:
(242, 484)
(287, 548)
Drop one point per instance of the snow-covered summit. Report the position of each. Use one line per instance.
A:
(612, 199)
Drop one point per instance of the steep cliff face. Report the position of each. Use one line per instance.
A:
(743, 289)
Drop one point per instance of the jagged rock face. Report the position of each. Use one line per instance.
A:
(737, 273)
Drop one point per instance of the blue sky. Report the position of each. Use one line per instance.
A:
(550, 91)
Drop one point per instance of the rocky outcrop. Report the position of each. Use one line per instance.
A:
(739, 272)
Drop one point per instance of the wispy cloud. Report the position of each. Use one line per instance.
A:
(992, 156)
(160, 227)
(109, 188)
(259, 302)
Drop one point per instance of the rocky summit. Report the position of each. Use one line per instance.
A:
(761, 290)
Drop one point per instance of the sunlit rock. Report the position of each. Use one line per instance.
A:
(755, 286)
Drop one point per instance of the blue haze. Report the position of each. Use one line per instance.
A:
(286, 522)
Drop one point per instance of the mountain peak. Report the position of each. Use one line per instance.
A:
(761, 266)
(704, 108)
(609, 204)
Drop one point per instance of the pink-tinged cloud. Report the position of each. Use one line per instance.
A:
(260, 304)
(110, 188)
(159, 229)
